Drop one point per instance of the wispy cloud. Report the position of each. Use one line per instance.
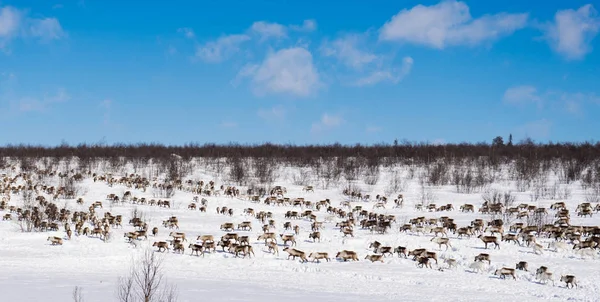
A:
(327, 121)
(347, 49)
(287, 71)
(267, 30)
(221, 49)
(569, 102)
(187, 32)
(16, 23)
(449, 23)
(572, 31)
(521, 95)
(393, 74)
(29, 104)
(307, 26)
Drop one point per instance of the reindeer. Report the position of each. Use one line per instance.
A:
(483, 257)
(489, 239)
(401, 250)
(441, 241)
(511, 237)
(522, 265)
(55, 240)
(246, 225)
(267, 236)
(423, 262)
(287, 238)
(345, 255)
(196, 248)
(178, 235)
(314, 236)
(317, 256)
(272, 246)
(295, 253)
(505, 271)
(162, 245)
(374, 258)
(569, 279)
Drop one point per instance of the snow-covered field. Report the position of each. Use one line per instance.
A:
(33, 270)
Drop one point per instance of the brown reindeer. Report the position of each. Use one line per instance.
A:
(569, 279)
(505, 271)
(272, 247)
(196, 248)
(423, 262)
(317, 256)
(162, 245)
(287, 238)
(522, 265)
(314, 236)
(55, 240)
(374, 258)
(345, 255)
(489, 239)
(483, 257)
(295, 253)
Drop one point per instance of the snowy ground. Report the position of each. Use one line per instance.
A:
(32, 270)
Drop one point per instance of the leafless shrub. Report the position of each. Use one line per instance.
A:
(427, 196)
(328, 172)
(136, 213)
(146, 282)
(395, 184)
(77, 294)
(371, 176)
(592, 195)
(264, 170)
(507, 199)
(351, 169)
(302, 177)
(437, 174)
(237, 170)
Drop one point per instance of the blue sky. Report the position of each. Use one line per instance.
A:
(298, 72)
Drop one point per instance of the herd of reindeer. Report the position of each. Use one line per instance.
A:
(42, 214)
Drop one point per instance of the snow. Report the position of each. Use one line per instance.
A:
(33, 270)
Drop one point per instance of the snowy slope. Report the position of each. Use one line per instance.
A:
(32, 270)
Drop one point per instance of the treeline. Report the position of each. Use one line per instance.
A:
(381, 153)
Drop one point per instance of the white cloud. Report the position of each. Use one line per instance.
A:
(221, 49)
(307, 26)
(393, 75)
(10, 20)
(347, 50)
(268, 30)
(275, 113)
(47, 29)
(187, 32)
(537, 129)
(573, 31)
(287, 71)
(327, 122)
(448, 23)
(28, 104)
(15, 23)
(522, 95)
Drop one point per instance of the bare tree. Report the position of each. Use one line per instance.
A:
(146, 282)
(77, 294)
